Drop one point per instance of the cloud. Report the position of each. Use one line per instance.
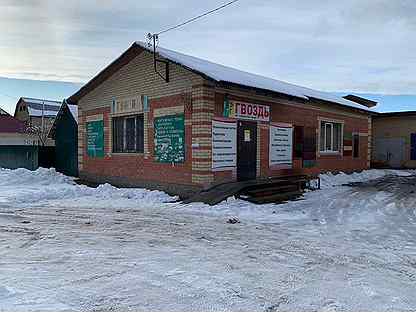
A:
(365, 45)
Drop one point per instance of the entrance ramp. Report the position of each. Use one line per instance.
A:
(259, 191)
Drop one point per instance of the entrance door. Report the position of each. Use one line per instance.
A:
(390, 151)
(246, 150)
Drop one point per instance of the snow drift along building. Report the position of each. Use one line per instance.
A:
(209, 124)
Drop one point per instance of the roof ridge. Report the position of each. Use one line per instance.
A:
(225, 66)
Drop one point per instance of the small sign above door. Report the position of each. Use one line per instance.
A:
(247, 135)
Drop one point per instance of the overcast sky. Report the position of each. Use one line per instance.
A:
(351, 45)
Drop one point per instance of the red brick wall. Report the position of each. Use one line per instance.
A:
(135, 166)
(142, 167)
(301, 115)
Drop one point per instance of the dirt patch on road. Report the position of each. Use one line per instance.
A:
(401, 186)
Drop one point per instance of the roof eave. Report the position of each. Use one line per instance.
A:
(361, 110)
(226, 84)
(396, 114)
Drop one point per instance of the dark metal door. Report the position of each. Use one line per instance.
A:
(246, 150)
(390, 151)
(413, 146)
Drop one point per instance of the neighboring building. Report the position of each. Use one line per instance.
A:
(394, 140)
(64, 132)
(38, 115)
(18, 149)
(209, 124)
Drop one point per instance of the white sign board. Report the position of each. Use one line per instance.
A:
(247, 111)
(224, 145)
(281, 146)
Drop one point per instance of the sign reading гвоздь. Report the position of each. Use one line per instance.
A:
(170, 139)
(247, 111)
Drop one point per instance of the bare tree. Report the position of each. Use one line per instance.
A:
(40, 131)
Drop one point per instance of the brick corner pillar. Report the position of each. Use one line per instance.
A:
(203, 103)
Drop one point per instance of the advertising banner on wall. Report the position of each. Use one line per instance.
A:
(246, 111)
(170, 139)
(281, 146)
(95, 138)
(224, 144)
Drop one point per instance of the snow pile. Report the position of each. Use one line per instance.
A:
(24, 187)
(330, 180)
(22, 177)
(33, 187)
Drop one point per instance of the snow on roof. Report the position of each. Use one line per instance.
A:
(74, 111)
(39, 107)
(41, 101)
(40, 112)
(228, 74)
(3, 112)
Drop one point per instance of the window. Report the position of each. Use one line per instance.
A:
(356, 146)
(128, 134)
(330, 136)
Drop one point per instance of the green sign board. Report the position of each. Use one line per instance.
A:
(95, 138)
(170, 139)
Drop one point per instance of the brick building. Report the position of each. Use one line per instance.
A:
(18, 149)
(394, 140)
(38, 116)
(209, 124)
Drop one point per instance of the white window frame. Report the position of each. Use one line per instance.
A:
(341, 143)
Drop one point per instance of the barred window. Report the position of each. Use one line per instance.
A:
(128, 134)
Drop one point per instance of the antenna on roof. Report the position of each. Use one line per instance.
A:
(155, 38)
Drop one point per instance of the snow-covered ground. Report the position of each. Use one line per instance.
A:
(65, 247)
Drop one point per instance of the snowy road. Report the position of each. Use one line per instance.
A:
(65, 247)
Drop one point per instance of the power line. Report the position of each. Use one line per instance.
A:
(9, 96)
(195, 18)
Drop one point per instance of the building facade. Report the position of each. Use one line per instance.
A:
(18, 149)
(64, 132)
(394, 140)
(209, 124)
(38, 116)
